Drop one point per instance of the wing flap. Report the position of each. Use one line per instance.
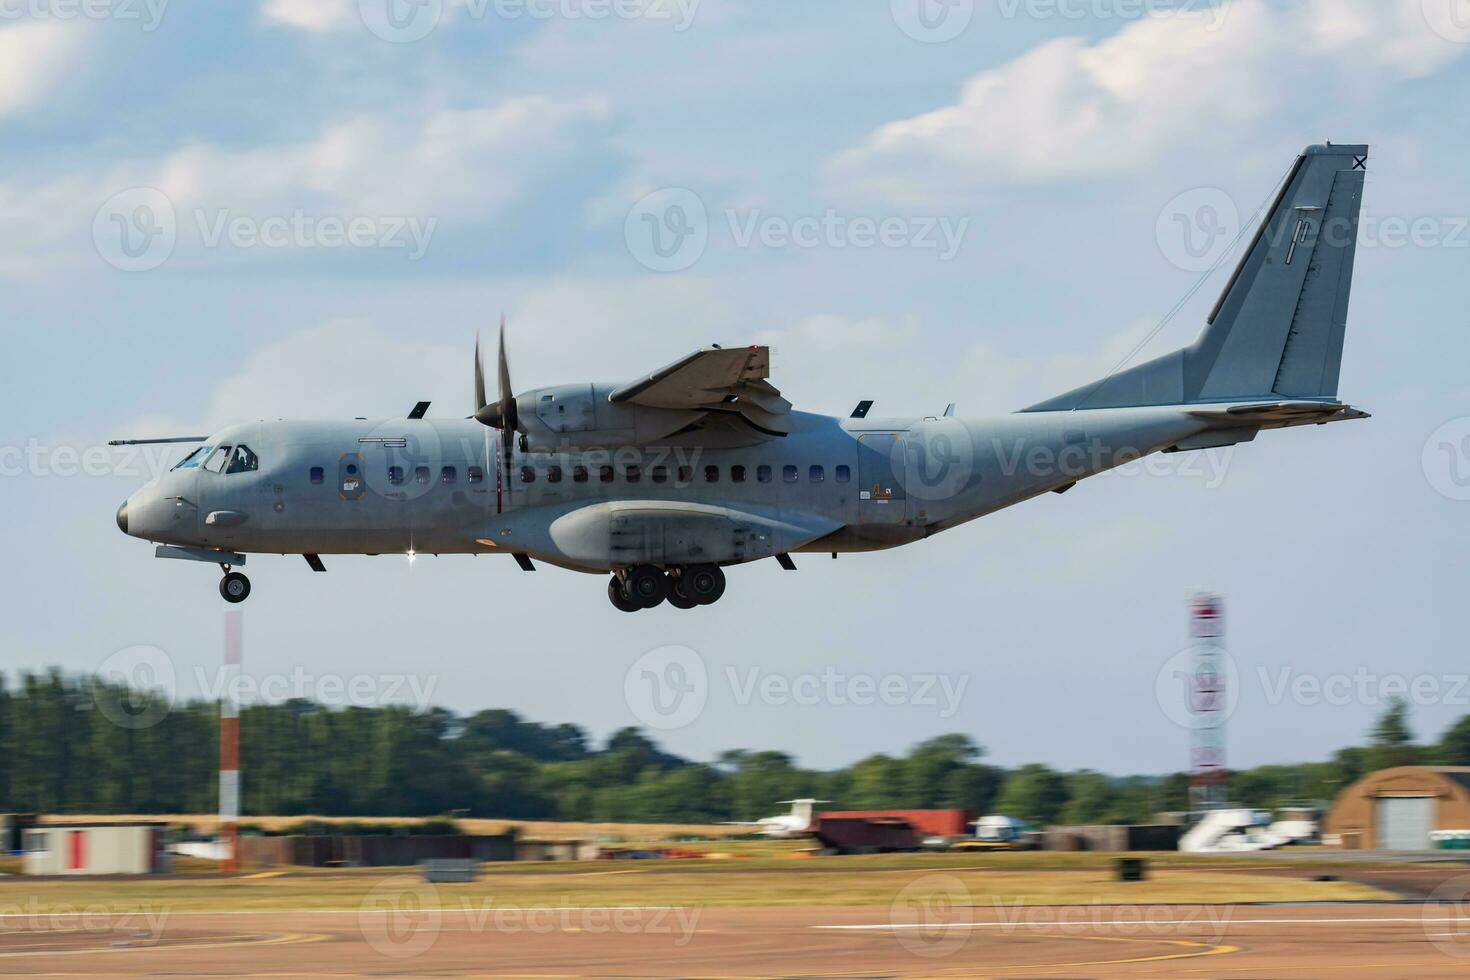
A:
(715, 379)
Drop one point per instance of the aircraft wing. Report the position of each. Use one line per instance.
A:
(733, 380)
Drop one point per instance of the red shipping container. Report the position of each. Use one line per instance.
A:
(926, 823)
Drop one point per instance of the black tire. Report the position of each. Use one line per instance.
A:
(234, 587)
(646, 586)
(677, 598)
(616, 597)
(703, 583)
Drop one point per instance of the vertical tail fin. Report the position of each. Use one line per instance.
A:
(1278, 327)
(1277, 330)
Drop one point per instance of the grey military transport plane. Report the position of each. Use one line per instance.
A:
(668, 479)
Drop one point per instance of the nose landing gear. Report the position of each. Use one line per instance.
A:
(234, 587)
(645, 586)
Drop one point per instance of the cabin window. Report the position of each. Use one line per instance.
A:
(659, 474)
(421, 475)
(243, 461)
(605, 474)
(318, 475)
(711, 474)
(448, 476)
(763, 473)
(788, 473)
(633, 474)
(553, 474)
(579, 474)
(686, 474)
(528, 474)
(477, 475)
(216, 461)
(395, 475)
(844, 474)
(816, 474)
(195, 458)
(737, 474)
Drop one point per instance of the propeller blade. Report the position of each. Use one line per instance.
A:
(507, 391)
(479, 377)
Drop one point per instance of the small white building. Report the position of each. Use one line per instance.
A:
(96, 849)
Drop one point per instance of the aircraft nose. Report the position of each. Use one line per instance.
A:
(122, 517)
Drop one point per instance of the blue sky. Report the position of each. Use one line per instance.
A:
(1066, 146)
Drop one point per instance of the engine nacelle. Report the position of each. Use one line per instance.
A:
(576, 418)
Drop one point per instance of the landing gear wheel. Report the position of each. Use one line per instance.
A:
(677, 598)
(703, 583)
(616, 597)
(646, 586)
(234, 587)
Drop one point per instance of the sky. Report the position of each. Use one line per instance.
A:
(309, 208)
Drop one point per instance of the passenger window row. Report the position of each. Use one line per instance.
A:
(449, 475)
(684, 475)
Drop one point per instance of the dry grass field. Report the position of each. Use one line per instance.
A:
(770, 881)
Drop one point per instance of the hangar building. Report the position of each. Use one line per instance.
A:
(1397, 809)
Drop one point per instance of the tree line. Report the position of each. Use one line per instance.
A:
(79, 745)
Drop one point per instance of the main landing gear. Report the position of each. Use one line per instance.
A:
(234, 587)
(645, 586)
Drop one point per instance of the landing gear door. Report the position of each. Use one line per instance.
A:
(881, 475)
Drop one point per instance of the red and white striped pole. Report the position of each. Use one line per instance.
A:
(229, 747)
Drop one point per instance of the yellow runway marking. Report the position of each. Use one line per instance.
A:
(264, 874)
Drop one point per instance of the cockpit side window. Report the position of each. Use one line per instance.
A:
(195, 458)
(216, 461)
(243, 461)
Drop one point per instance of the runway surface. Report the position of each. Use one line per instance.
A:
(913, 939)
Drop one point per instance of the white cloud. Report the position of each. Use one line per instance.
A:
(33, 59)
(343, 369)
(1069, 109)
(309, 15)
(447, 164)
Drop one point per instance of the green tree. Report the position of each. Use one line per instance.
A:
(1392, 743)
(1454, 745)
(1035, 793)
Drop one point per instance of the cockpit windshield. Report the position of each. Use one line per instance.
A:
(216, 461)
(195, 458)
